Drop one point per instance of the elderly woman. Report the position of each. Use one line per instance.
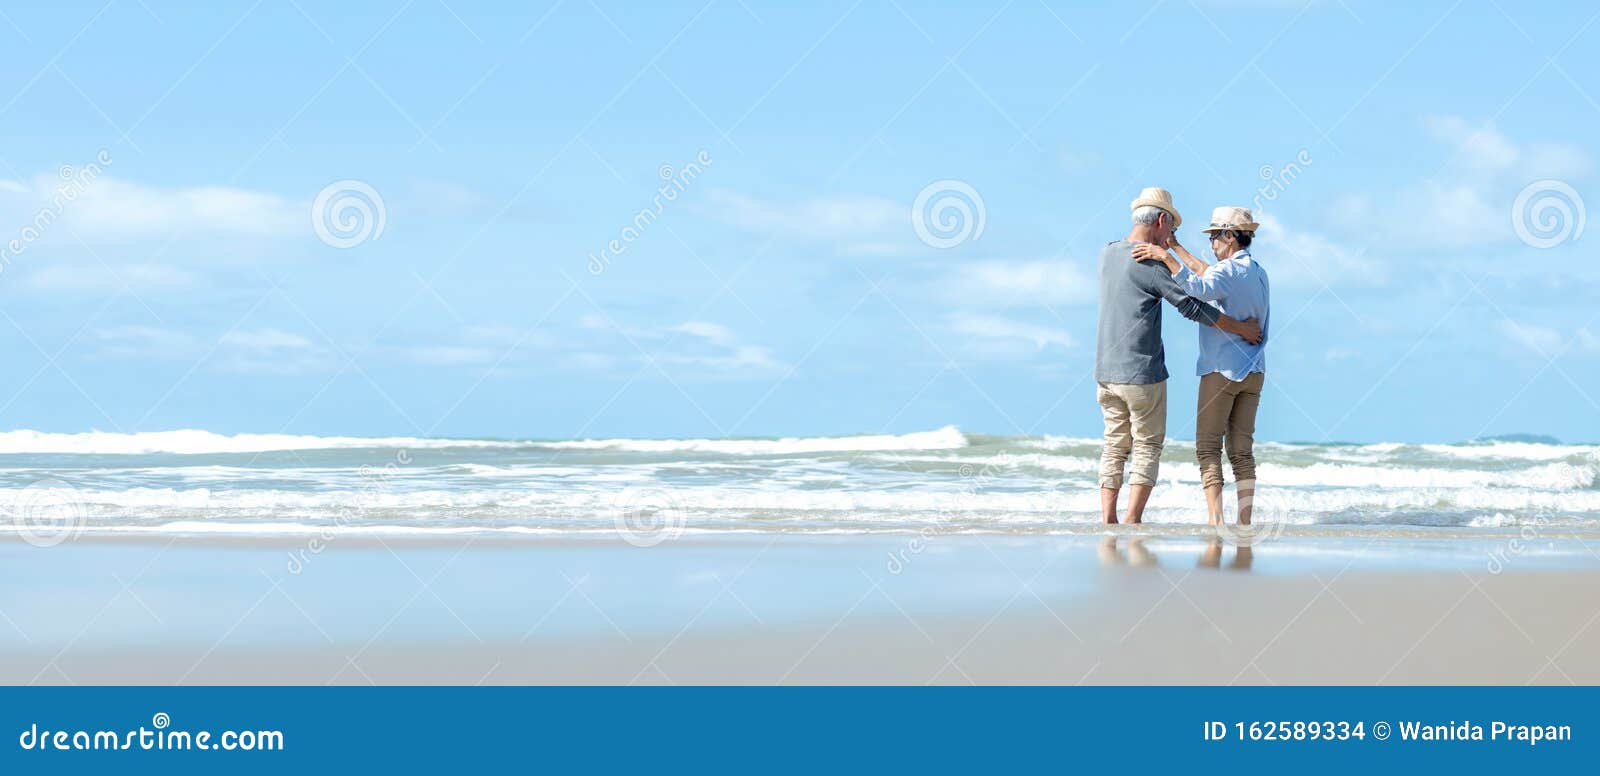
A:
(1231, 370)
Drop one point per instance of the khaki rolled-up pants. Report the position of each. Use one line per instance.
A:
(1227, 409)
(1136, 426)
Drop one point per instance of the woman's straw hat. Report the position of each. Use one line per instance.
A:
(1158, 198)
(1232, 219)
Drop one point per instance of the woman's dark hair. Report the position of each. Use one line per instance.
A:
(1243, 238)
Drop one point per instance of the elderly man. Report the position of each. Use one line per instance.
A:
(1130, 360)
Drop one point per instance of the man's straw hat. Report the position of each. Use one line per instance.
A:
(1232, 219)
(1158, 198)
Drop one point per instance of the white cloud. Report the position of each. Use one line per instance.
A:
(142, 342)
(1482, 147)
(1047, 283)
(1541, 340)
(107, 209)
(451, 355)
(265, 339)
(492, 345)
(1005, 337)
(822, 217)
(596, 362)
(712, 348)
(1485, 149)
(1469, 202)
(742, 358)
(264, 351)
(96, 279)
(1547, 342)
(271, 351)
(711, 332)
(1298, 259)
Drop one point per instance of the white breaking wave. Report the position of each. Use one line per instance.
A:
(871, 482)
(195, 442)
(1555, 476)
(712, 500)
(1180, 528)
(947, 438)
(1532, 451)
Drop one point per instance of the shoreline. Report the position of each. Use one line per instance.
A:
(249, 533)
(1122, 609)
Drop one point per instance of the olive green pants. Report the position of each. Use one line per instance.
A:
(1226, 417)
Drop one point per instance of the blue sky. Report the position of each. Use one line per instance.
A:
(785, 290)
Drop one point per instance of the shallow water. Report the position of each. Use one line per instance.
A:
(943, 481)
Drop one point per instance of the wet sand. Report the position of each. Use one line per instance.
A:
(763, 609)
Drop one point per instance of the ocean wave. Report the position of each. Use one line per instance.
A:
(942, 478)
(1308, 505)
(195, 442)
(1555, 476)
(947, 438)
(1532, 451)
(1171, 526)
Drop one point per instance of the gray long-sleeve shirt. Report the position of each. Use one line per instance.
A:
(1129, 348)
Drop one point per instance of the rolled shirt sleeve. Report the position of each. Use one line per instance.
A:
(1212, 286)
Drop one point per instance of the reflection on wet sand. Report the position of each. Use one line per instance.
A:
(1136, 553)
(1211, 556)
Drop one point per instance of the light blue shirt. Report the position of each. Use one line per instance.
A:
(1238, 287)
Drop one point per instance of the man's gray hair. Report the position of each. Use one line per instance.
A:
(1147, 214)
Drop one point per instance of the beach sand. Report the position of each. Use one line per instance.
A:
(777, 608)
